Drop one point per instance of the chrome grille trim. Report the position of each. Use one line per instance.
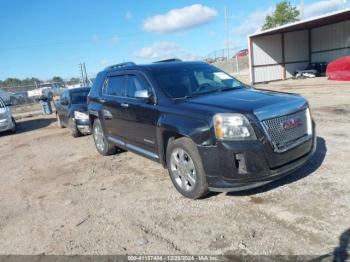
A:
(283, 137)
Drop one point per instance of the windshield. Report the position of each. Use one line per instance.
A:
(79, 97)
(194, 80)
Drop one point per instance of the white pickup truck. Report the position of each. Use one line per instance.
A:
(45, 91)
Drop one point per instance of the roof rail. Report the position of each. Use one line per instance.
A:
(169, 60)
(120, 65)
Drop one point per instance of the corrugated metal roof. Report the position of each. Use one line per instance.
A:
(317, 21)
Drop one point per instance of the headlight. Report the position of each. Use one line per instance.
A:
(309, 121)
(81, 115)
(231, 126)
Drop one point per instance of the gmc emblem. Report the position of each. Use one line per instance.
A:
(291, 123)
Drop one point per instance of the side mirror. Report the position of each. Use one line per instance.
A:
(142, 94)
(8, 104)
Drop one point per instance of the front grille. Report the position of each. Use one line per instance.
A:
(288, 131)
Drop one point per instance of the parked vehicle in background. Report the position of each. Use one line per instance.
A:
(46, 90)
(211, 131)
(18, 98)
(71, 111)
(339, 69)
(6, 96)
(242, 53)
(7, 122)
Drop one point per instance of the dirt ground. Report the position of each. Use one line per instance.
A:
(59, 196)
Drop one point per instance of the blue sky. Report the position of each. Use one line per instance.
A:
(43, 38)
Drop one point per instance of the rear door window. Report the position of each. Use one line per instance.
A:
(115, 86)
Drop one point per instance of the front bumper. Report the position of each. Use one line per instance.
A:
(236, 166)
(83, 126)
(5, 125)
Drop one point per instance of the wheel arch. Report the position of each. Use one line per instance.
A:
(174, 127)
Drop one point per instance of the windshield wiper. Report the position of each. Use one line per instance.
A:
(224, 89)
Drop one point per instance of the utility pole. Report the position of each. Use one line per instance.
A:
(86, 77)
(227, 35)
(82, 73)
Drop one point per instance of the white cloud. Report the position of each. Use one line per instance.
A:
(128, 15)
(180, 19)
(164, 50)
(322, 7)
(255, 20)
(104, 62)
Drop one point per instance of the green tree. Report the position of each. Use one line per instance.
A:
(30, 81)
(12, 82)
(73, 81)
(57, 79)
(284, 13)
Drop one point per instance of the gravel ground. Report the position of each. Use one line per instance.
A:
(59, 196)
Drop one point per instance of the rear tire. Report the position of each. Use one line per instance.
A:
(103, 146)
(186, 169)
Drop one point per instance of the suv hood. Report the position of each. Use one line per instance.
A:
(264, 104)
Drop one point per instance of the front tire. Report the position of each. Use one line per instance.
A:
(103, 146)
(186, 169)
(75, 132)
(14, 126)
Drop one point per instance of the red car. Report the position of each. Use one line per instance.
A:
(339, 69)
(242, 53)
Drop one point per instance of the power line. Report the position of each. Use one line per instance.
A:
(69, 42)
(89, 39)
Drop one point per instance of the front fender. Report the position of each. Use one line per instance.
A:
(176, 125)
(196, 129)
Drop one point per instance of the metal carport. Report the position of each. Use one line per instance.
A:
(277, 53)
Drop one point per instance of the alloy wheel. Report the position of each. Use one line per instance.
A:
(99, 138)
(183, 169)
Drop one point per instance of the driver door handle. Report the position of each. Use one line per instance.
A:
(124, 105)
(102, 100)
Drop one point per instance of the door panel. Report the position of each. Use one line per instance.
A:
(63, 109)
(141, 129)
(142, 115)
(113, 112)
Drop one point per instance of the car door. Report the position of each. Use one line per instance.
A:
(63, 106)
(141, 127)
(114, 109)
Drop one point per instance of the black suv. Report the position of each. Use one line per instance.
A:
(71, 111)
(211, 131)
